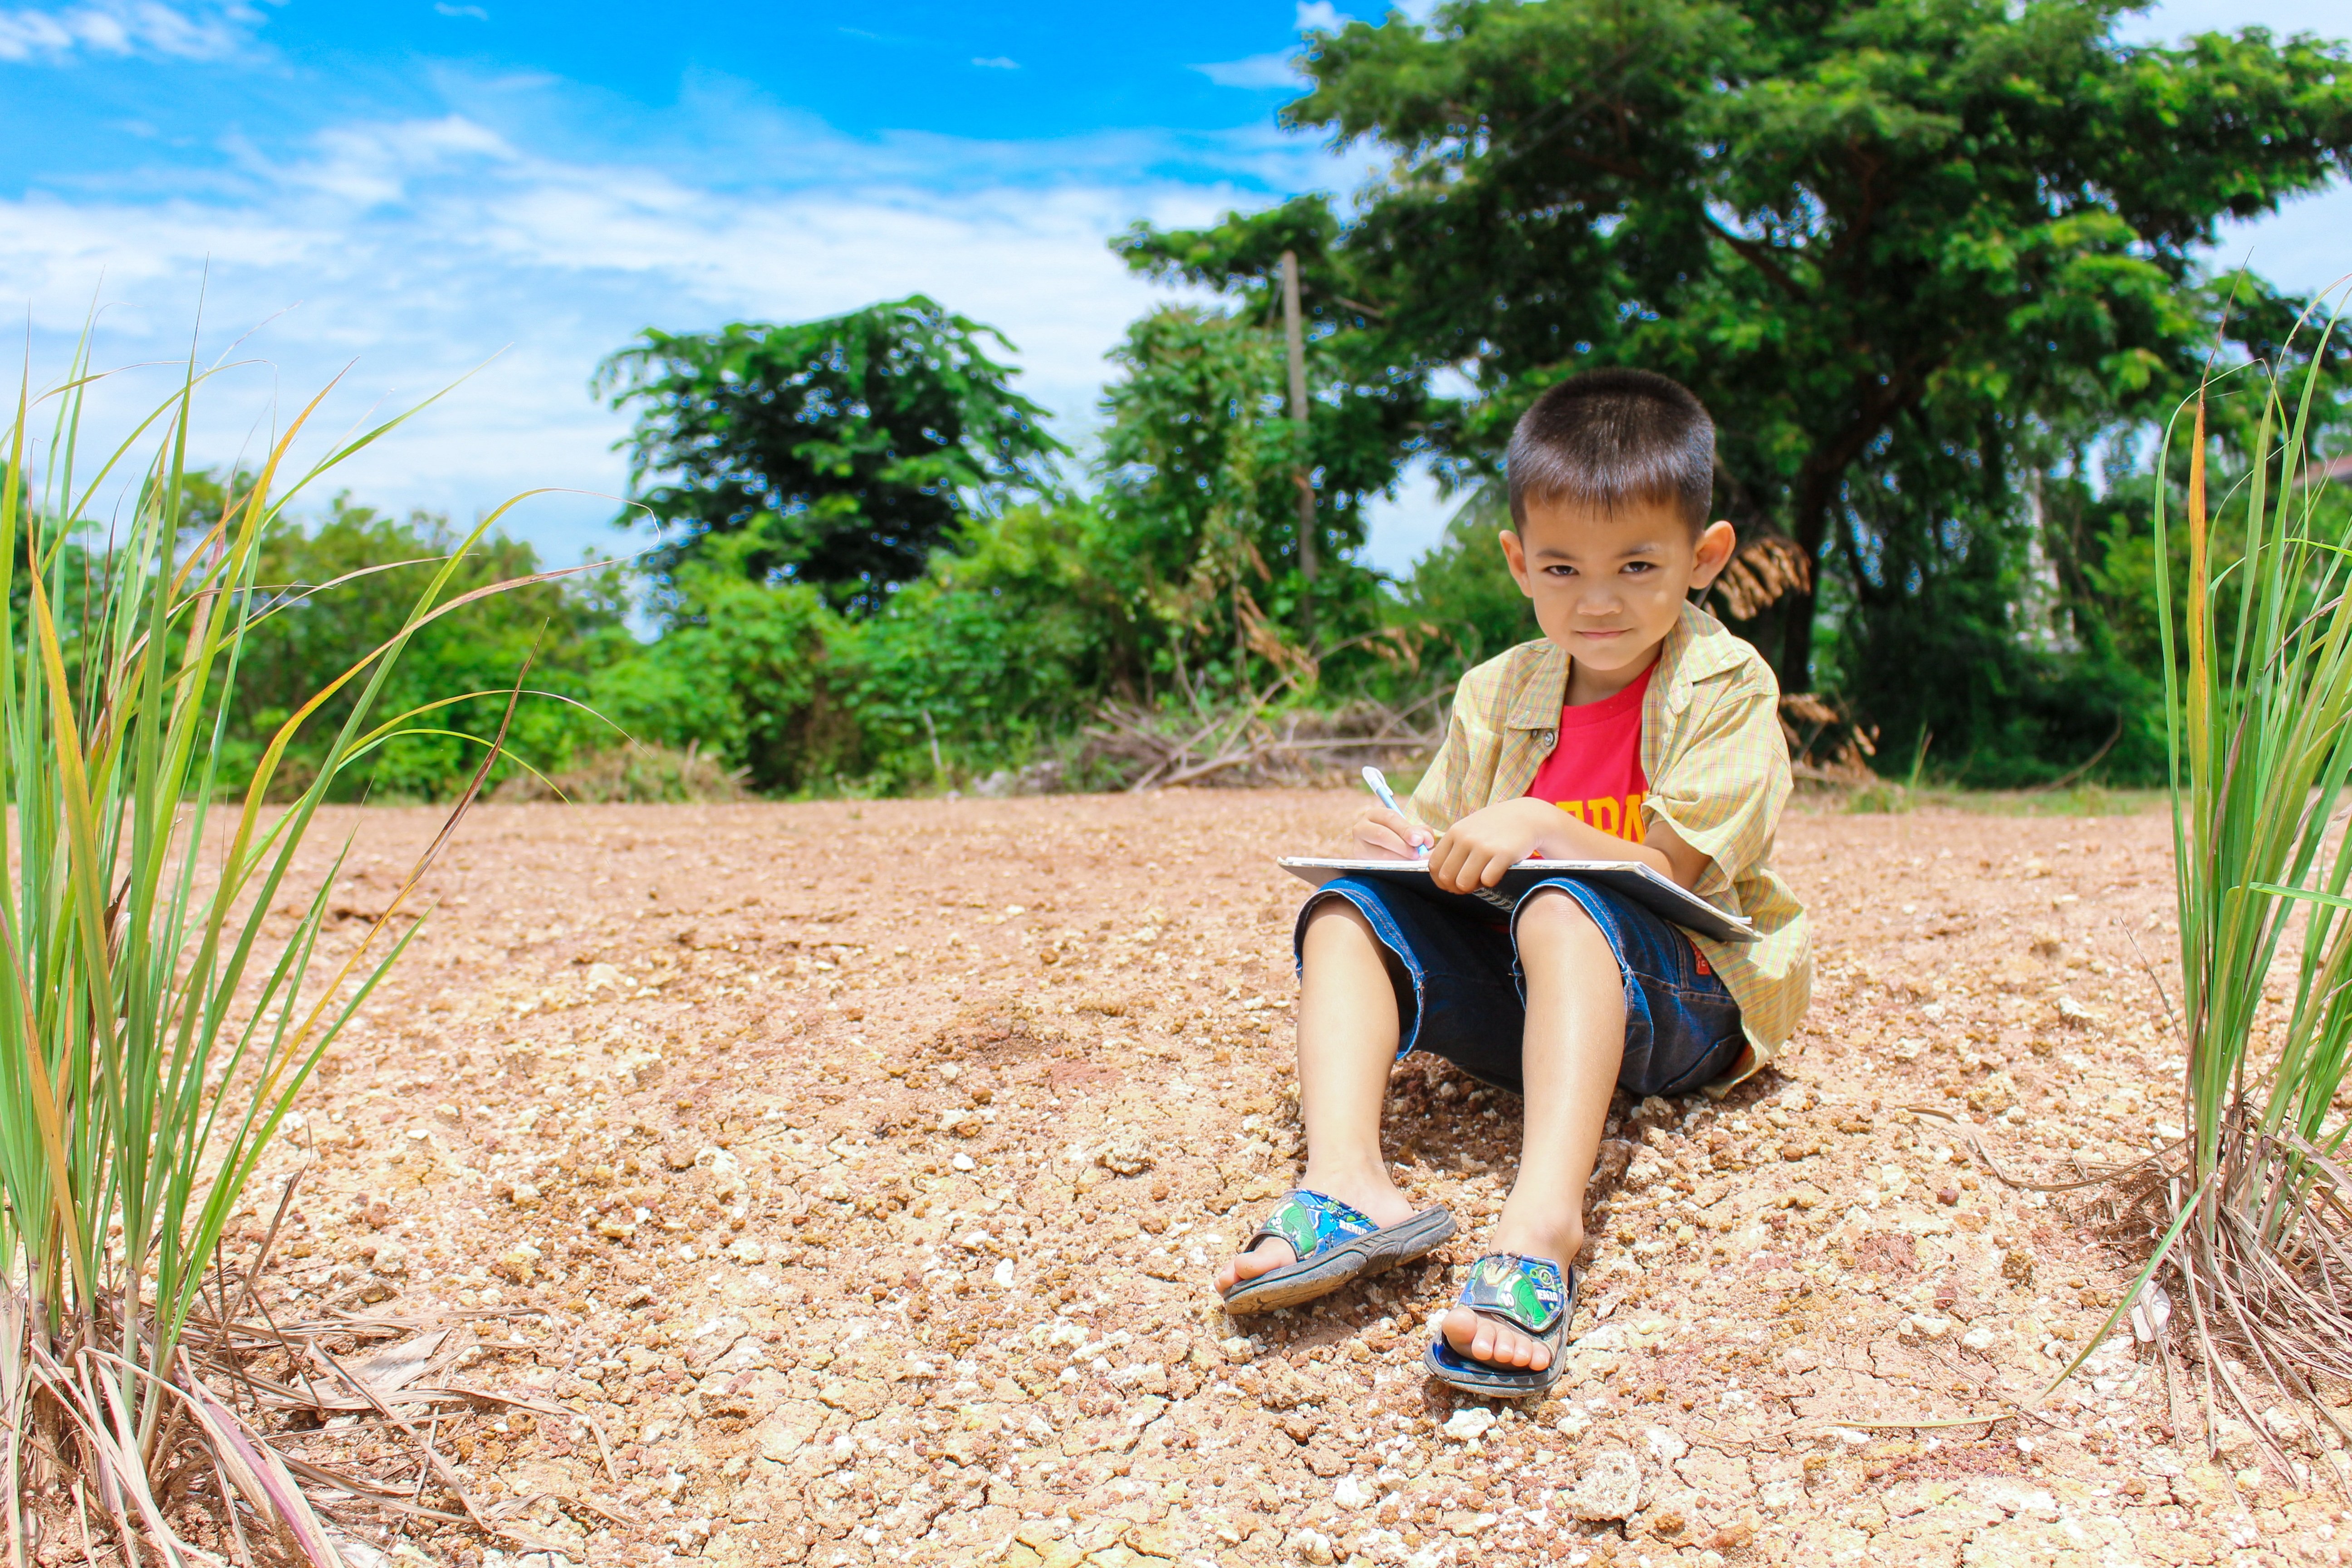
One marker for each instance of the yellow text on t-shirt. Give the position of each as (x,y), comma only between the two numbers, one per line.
(1607,815)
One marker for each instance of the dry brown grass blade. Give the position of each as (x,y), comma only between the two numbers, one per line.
(373,1493)
(442,1469)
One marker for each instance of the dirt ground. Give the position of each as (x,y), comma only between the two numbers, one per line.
(859,1170)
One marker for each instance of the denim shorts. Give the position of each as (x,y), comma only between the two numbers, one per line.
(1461,993)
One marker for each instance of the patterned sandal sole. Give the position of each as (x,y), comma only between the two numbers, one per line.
(1327,1271)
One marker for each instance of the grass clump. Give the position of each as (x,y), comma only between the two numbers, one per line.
(2246,1217)
(154,1035)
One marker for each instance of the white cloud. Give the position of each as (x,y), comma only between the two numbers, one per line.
(1258,71)
(413,251)
(996,63)
(1278,70)
(475,12)
(196,32)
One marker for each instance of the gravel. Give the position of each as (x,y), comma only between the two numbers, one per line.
(860,1170)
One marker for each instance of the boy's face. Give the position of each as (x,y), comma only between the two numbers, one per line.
(1609,586)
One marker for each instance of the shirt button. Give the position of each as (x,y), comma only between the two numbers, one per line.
(1547,738)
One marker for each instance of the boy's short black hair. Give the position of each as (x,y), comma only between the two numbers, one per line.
(1604,438)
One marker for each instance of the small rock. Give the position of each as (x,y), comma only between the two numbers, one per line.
(1124,1158)
(1664,1445)
(1926,1326)
(1979,1338)
(726,1172)
(748,1252)
(1311,1546)
(391,1257)
(1470,1422)
(1610,1489)
(1351,1492)
(1286,1390)
(525,1195)
(517,1265)
(2016,1496)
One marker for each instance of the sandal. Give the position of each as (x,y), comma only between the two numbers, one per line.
(1335,1242)
(1529,1294)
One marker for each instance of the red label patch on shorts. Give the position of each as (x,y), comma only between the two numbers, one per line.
(1700,958)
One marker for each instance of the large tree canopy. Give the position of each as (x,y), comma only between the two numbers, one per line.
(846,447)
(1895,247)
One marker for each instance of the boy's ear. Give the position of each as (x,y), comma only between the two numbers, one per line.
(1716,543)
(1515,555)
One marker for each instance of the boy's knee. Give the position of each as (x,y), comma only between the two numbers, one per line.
(1551,919)
(1337,920)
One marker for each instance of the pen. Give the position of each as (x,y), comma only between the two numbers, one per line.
(1377,782)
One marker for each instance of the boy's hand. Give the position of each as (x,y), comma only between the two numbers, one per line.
(1476,850)
(1382,832)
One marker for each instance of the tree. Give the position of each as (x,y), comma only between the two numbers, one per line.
(846,448)
(1891,244)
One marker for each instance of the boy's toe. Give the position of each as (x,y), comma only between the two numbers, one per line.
(1263,1259)
(1468,1333)
(1496,1344)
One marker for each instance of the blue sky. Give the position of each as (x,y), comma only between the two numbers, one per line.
(411,189)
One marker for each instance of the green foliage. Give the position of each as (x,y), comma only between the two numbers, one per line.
(737,668)
(1000,646)
(844,450)
(333,601)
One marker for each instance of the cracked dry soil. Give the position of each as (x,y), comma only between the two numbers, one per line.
(860,1170)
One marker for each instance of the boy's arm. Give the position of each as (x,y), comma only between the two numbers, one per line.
(1723,791)
(1475,851)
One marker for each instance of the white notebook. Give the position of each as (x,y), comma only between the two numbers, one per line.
(1631,878)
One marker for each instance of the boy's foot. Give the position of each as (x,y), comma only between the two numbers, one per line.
(1481,1336)
(1379,1202)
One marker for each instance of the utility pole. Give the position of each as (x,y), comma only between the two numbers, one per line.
(1295,340)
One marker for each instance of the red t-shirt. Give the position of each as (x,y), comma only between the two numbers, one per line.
(1594,773)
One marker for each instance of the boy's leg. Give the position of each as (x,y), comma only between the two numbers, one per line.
(1574,1045)
(1348,1030)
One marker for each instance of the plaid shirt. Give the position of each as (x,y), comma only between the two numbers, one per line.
(1718,771)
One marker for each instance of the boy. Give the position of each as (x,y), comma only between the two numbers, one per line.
(1636,729)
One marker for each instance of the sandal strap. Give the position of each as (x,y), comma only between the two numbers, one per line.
(1312,1222)
(1530,1292)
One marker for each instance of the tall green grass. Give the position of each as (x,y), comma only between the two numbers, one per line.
(153,1035)
(2248,1211)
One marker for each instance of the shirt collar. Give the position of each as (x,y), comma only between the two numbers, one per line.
(1698,647)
